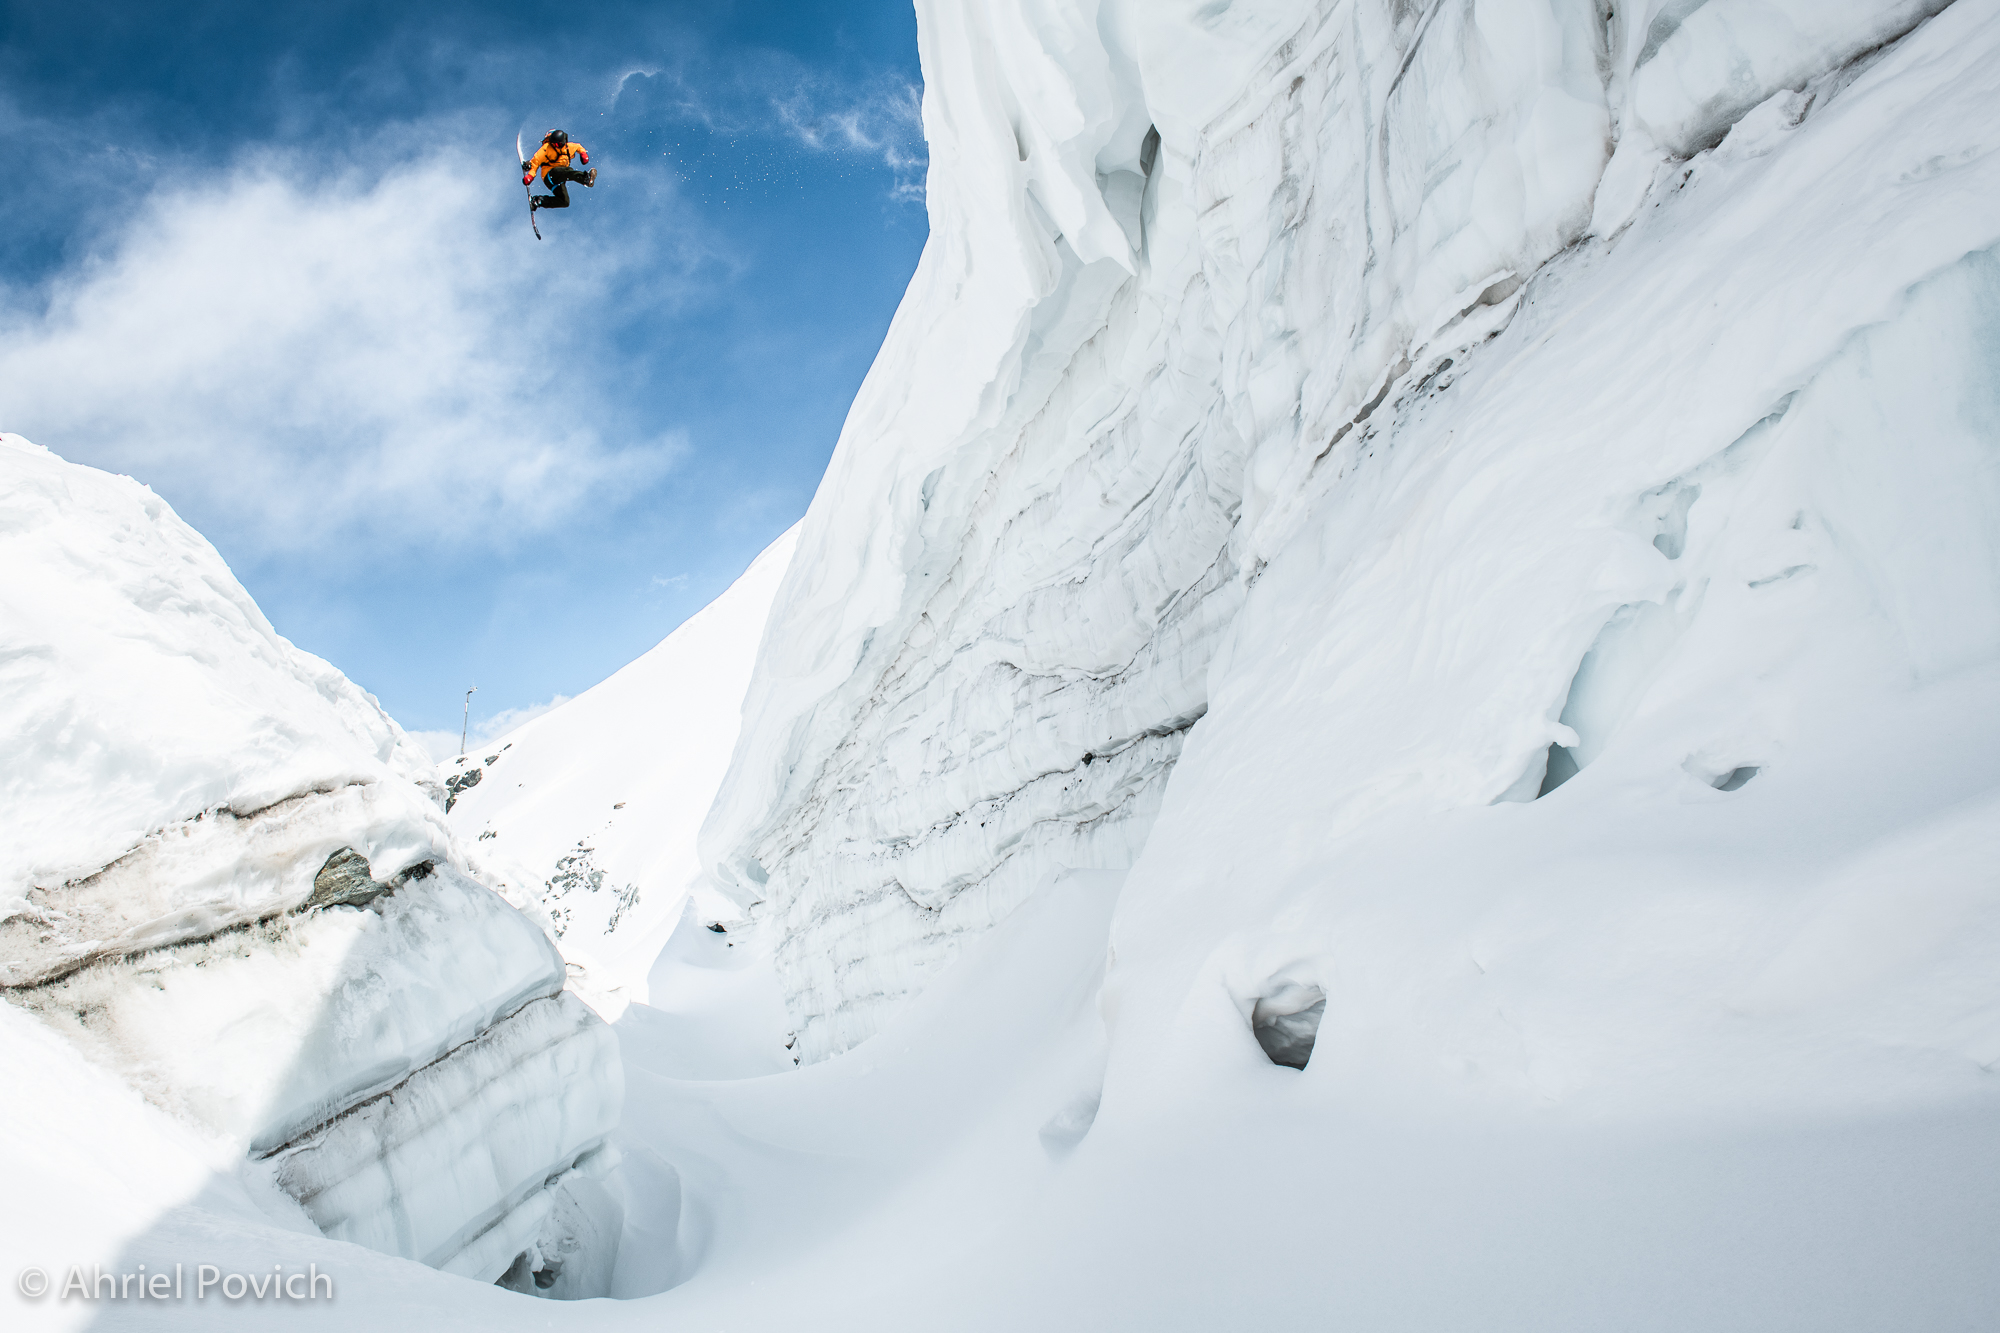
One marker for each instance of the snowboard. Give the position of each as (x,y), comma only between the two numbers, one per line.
(521,157)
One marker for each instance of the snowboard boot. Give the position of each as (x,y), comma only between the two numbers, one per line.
(590,177)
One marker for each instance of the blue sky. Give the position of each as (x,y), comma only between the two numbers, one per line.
(274,261)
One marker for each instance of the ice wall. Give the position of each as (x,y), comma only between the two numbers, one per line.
(1186,262)
(225,875)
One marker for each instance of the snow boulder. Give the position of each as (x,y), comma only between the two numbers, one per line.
(226,875)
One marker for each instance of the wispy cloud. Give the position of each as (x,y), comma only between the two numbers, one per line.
(333,360)
(883,119)
(877,117)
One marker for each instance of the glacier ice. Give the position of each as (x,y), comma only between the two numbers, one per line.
(1286,1023)
(265,1032)
(175,767)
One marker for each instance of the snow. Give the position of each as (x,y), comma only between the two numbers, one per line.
(1697,68)
(174,766)
(1026,574)
(587,815)
(230,884)
(459,1167)
(1386,718)
(263,1034)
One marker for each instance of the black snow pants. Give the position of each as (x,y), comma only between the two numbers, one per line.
(558,179)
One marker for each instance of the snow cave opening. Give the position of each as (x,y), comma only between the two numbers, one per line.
(1286,1023)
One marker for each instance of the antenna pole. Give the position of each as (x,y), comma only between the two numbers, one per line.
(466,721)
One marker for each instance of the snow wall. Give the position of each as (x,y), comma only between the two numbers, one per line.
(1361,412)
(225,875)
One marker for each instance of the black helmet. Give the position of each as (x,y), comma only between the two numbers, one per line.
(556,137)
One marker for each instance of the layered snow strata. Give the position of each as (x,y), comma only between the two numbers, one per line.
(214,871)
(461,1165)
(226,875)
(1661,639)
(266,1032)
(1180,257)
(174,767)
(1696,68)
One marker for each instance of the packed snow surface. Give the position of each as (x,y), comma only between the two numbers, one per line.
(1387,719)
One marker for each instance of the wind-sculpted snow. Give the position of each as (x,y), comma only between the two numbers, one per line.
(1182,256)
(1697,67)
(228,879)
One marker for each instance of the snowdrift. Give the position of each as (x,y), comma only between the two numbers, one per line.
(229,881)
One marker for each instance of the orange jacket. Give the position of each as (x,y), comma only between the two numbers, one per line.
(548,155)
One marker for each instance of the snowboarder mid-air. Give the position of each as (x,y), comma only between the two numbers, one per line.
(552,159)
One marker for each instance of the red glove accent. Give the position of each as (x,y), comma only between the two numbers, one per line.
(528,179)
(585,156)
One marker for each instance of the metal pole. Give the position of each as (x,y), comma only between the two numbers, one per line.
(466,721)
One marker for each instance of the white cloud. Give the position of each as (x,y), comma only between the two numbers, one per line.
(882,119)
(443,745)
(770,94)
(386,359)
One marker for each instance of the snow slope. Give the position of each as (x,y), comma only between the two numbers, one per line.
(590,811)
(229,882)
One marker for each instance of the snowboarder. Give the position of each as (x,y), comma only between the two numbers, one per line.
(552,159)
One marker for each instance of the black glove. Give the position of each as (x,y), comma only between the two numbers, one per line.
(524,166)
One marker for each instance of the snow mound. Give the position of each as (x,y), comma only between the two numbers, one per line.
(226,876)
(174,766)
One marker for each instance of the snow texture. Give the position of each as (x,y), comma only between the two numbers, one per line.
(1387,718)
(587,815)
(1192,270)
(262,1034)
(174,767)
(229,881)
(460,1165)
